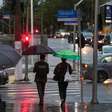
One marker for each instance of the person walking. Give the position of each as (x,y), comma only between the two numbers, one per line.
(59,72)
(41,68)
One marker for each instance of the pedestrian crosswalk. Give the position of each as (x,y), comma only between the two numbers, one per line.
(18,92)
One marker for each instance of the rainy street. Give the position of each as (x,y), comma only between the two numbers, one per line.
(22,96)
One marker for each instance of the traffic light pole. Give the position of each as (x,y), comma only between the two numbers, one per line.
(94,89)
(26,68)
(26,57)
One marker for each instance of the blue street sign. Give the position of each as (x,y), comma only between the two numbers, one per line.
(67,14)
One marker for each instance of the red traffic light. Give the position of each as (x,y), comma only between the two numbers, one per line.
(26,38)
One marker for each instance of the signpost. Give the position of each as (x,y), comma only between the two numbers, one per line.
(69,17)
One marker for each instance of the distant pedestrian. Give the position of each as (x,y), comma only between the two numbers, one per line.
(41,68)
(59,72)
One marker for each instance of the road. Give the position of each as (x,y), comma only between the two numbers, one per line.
(23,97)
(16,93)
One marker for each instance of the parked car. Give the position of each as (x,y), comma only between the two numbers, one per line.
(3,77)
(104,69)
(88,36)
(107,49)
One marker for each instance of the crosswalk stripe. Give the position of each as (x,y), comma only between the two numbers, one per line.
(29,92)
(25,91)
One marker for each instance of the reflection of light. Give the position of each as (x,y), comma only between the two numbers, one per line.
(62,38)
(108,81)
(84,52)
(25,106)
(85,108)
(54,36)
(66,107)
(76,107)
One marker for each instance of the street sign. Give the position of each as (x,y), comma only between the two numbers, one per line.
(67,14)
(67,19)
(71,23)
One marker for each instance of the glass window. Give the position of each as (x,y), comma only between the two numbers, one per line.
(107,59)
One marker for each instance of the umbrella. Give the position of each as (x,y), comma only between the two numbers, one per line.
(8,56)
(37,50)
(67,54)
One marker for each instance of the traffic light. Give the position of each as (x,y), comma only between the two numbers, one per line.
(26,39)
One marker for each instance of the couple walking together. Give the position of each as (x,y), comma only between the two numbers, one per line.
(41,68)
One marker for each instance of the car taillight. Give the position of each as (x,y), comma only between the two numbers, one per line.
(85,66)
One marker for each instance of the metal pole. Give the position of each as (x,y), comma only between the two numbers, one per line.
(75,7)
(26,69)
(74,37)
(81,77)
(26,57)
(32,42)
(42,37)
(94,89)
(27,17)
(32,21)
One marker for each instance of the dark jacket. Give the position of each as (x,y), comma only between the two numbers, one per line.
(61,69)
(41,69)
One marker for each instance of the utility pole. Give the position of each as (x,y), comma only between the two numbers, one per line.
(94,89)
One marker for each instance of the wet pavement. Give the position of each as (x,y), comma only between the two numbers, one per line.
(18,99)
(68,107)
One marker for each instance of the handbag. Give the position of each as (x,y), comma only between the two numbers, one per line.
(67,76)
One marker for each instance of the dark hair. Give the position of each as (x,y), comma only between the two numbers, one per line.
(63,59)
(42,56)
